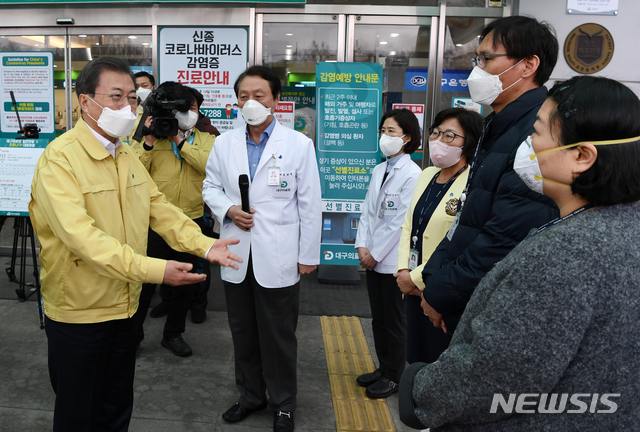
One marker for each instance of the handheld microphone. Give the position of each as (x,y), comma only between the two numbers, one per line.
(243,182)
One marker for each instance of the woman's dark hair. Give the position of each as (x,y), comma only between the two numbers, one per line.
(265,73)
(600,109)
(524,37)
(89,77)
(471,124)
(175,91)
(408,122)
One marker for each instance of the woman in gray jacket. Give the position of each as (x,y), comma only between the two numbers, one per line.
(550,338)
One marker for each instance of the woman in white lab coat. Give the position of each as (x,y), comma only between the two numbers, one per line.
(387,200)
(453,140)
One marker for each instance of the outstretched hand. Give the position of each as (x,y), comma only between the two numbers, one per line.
(178,273)
(219,253)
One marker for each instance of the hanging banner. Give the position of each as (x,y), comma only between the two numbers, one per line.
(30,76)
(349,103)
(208,59)
(18,159)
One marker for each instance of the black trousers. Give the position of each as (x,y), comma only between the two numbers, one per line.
(263,324)
(388,311)
(178,298)
(91,368)
(425,343)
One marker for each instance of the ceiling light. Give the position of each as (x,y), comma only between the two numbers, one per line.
(82,35)
(133,37)
(145,43)
(97,43)
(289,34)
(392,53)
(289,46)
(383,42)
(394,34)
(459,44)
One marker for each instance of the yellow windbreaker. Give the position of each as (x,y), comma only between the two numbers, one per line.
(91,215)
(181,182)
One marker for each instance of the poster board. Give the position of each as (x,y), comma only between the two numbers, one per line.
(18,159)
(349,108)
(29,74)
(209,59)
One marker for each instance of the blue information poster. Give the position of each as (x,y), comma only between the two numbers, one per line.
(349,108)
(29,75)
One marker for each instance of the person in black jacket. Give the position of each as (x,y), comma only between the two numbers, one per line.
(497,210)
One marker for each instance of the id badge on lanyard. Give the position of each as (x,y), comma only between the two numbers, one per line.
(413,259)
(273,173)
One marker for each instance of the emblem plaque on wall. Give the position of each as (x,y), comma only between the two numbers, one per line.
(588,48)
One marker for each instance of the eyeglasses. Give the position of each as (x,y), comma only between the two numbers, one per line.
(447,136)
(116,98)
(480,60)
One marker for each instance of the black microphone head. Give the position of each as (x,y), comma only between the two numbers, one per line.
(243,180)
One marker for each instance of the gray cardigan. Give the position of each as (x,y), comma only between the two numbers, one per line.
(559,315)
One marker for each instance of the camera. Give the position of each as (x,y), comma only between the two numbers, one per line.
(160,108)
(31,130)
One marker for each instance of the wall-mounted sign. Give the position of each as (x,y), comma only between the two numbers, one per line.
(592,7)
(453,80)
(588,48)
(208,59)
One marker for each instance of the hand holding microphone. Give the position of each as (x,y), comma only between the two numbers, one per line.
(242,215)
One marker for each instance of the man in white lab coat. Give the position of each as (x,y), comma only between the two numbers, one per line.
(279,241)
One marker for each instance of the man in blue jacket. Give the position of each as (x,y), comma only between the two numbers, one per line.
(497,210)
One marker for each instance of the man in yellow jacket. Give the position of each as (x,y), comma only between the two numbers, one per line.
(92,203)
(177,165)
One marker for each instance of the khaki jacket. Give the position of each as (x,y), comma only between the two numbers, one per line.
(91,215)
(181,182)
(438,225)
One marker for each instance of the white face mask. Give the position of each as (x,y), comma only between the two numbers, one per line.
(391,146)
(527,168)
(142,93)
(254,113)
(443,155)
(115,123)
(485,87)
(187,120)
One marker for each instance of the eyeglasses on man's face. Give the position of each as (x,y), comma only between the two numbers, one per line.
(480,60)
(447,136)
(119,98)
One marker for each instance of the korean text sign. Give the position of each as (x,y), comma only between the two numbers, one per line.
(208,59)
(348,100)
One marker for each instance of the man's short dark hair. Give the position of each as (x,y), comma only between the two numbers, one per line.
(143,74)
(409,125)
(175,91)
(600,109)
(89,77)
(524,37)
(471,124)
(265,73)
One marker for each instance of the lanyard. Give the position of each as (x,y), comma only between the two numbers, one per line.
(558,220)
(425,209)
(474,168)
(176,151)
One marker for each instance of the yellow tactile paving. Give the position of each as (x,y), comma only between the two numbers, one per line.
(348,356)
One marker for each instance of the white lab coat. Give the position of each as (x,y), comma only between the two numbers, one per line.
(288,218)
(382,235)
